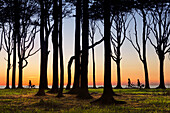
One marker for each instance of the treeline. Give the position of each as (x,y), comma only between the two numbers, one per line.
(22,20)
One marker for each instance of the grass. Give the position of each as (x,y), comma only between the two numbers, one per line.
(138,100)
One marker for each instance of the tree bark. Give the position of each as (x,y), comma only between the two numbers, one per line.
(69,72)
(41,91)
(60,94)
(84,94)
(162,84)
(55,47)
(8,69)
(20,73)
(144,51)
(75,88)
(94,81)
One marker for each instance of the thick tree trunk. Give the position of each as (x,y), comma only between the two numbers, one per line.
(20,73)
(60,93)
(41,91)
(16,36)
(107,96)
(162,84)
(55,48)
(84,94)
(146,75)
(94,81)
(75,88)
(8,69)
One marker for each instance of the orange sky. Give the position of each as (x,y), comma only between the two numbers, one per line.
(131,66)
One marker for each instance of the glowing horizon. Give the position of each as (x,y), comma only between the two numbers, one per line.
(131,66)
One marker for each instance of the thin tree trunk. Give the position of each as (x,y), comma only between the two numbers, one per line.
(94,82)
(8,69)
(60,94)
(118,64)
(14,63)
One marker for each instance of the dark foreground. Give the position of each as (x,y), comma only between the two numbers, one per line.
(137,100)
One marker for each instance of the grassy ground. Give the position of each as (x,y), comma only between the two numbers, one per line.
(138,100)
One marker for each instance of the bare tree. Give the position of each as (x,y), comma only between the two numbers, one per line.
(118,36)
(161,33)
(141,50)
(7,34)
(92,35)
(26,36)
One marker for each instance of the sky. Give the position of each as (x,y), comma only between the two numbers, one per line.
(131,66)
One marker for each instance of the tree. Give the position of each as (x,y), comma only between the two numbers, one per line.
(7,35)
(84,94)
(161,33)
(41,91)
(55,47)
(61,51)
(75,88)
(92,34)
(27,33)
(117,39)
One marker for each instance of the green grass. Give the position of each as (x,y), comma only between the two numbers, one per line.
(137,101)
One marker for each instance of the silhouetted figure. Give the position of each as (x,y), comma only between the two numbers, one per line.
(129,82)
(138,83)
(29,83)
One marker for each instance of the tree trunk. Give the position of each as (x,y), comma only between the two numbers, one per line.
(46,64)
(118,63)
(144,51)
(69,72)
(20,73)
(41,91)
(162,84)
(75,88)
(14,63)
(55,48)
(94,83)
(60,94)
(146,75)
(107,96)
(8,69)
(84,94)
(16,36)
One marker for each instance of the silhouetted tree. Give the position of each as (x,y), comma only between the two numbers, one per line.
(138,48)
(27,33)
(55,47)
(69,72)
(76,86)
(7,34)
(41,91)
(160,28)
(60,93)
(92,34)
(84,94)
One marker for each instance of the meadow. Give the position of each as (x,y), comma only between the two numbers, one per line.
(137,101)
